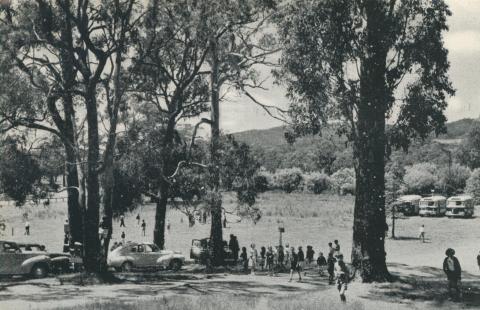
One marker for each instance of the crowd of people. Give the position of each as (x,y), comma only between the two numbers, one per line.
(275,259)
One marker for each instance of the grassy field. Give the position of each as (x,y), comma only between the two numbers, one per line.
(309,220)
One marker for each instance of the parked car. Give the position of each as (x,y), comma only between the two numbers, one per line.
(59,262)
(201,252)
(409,204)
(460,206)
(14,261)
(433,206)
(144,255)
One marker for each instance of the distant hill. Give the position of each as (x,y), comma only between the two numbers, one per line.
(274,152)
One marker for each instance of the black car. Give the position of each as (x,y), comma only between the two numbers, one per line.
(201,251)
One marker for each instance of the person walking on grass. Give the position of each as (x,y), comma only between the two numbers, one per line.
(27,228)
(310,253)
(301,259)
(342,276)
(451,267)
(252,260)
(144,226)
(138,219)
(321,263)
(269,256)
(330,268)
(294,267)
(123,237)
(421,230)
(122,221)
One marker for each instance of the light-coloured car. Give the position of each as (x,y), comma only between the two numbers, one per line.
(14,261)
(144,255)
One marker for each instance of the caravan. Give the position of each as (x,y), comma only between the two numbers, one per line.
(460,206)
(409,204)
(433,206)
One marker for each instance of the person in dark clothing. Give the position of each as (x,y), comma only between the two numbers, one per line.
(301,259)
(321,263)
(233,245)
(66,243)
(263,251)
(330,268)
(310,253)
(478,259)
(144,226)
(451,267)
(269,258)
(123,237)
(122,220)
(281,257)
(244,258)
(294,265)
(138,219)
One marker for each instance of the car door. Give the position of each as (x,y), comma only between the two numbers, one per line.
(11,258)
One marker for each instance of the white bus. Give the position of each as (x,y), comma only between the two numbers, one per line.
(409,204)
(460,206)
(433,206)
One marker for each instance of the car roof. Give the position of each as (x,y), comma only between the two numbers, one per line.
(434,198)
(460,198)
(409,197)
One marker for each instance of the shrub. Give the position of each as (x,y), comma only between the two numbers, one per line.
(288,180)
(473,185)
(316,182)
(261,183)
(420,178)
(343,181)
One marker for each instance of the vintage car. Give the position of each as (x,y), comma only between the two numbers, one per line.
(201,252)
(460,206)
(59,262)
(15,261)
(144,255)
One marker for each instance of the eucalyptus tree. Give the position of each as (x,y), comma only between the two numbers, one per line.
(365,63)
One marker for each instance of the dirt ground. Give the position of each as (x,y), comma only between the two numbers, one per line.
(309,220)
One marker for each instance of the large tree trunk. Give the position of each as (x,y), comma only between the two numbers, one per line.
(368,253)
(92,259)
(216,233)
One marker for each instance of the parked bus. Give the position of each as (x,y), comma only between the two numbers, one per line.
(409,204)
(460,206)
(433,206)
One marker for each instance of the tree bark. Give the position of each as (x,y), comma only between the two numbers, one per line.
(368,252)
(216,233)
(92,259)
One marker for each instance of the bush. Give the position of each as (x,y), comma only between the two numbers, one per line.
(420,178)
(288,180)
(343,181)
(473,185)
(316,182)
(261,182)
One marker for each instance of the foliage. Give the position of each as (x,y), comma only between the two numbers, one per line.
(20,174)
(452,180)
(394,184)
(343,181)
(316,182)
(469,151)
(420,178)
(473,185)
(288,180)
(261,183)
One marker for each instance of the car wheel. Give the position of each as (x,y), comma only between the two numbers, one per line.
(39,271)
(127,267)
(175,264)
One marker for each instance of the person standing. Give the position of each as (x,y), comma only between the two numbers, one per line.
(336,248)
(233,245)
(321,263)
(252,261)
(123,237)
(287,254)
(269,261)
(330,267)
(138,219)
(310,253)
(451,267)
(478,260)
(27,228)
(144,226)
(122,220)
(168,225)
(342,276)
(331,250)
(301,259)
(263,252)
(281,257)
(244,258)
(421,236)
(294,265)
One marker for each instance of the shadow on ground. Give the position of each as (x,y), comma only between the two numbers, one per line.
(424,284)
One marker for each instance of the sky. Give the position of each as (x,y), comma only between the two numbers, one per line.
(462,41)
